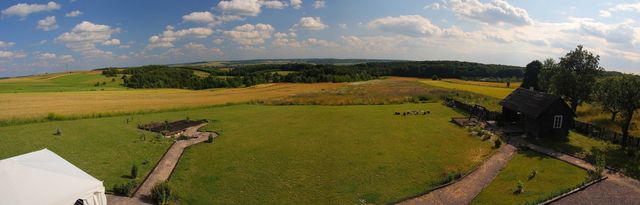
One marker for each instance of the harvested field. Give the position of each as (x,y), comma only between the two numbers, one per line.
(38,105)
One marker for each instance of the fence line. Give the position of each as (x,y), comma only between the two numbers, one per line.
(584,128)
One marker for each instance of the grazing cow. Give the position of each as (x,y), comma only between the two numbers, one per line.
(428,112)
(397,113)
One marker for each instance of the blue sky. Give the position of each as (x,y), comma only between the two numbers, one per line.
(57,35)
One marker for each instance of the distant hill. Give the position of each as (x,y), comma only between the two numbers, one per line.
(333,61)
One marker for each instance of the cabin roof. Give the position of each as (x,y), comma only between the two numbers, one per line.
(531,103)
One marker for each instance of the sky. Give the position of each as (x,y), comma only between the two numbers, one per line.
(58,35)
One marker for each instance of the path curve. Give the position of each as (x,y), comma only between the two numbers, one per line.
(463,191)
(163,170)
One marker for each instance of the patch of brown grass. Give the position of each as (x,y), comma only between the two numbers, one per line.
(34,105)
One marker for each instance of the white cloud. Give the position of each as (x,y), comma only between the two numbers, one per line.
(495,12)
(47,56)
(74,13)
(274,4)
(319,42)
(623,33)
(311,23)
(434,6)
(413,25)
(286,40)
(631,7)
(112,42)
(166,39)
(23,9)
(84,37)
(218,41)
(343,26)
(209,18)
(240,7)
(250,35)
(296,4)
(12,54)
(47,24)
(319,4)
(4,44)
(199,17)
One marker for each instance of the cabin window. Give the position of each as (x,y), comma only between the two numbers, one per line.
(557,121)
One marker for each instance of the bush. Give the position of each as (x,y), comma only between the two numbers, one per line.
(600,165)
(134,172)
(435,77)
(125,189)
(210,138)
(161,193)
(519,187)
(533,174)
(497,143)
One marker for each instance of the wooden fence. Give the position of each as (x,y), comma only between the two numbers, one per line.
(476,110)
(596,132)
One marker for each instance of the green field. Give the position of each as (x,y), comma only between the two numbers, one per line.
(105,148)
(553,177)
(323,154)
(61,82)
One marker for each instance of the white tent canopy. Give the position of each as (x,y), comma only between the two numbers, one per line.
(42,177)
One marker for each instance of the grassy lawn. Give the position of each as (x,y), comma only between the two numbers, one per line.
(105,148)
(582,146)
(323,154)
(61,82)
(496,92)
(553,176)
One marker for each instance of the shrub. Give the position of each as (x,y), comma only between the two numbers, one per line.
(435,77)
(497,143)
(210,138)
(161,193)
(519,187)
(600,165)
(134,172)
(58,132)
(533,174)
(125,189)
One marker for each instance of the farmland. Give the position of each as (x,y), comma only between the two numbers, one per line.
(39,105)
(488,89)
(61,82)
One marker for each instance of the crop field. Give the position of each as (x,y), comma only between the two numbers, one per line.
(61,82)
(476,87)
(324,154)
(483,83)
(552,177)
(39,105)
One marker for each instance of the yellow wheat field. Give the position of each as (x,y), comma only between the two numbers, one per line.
(33,105)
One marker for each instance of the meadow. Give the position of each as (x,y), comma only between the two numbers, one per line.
(105,148)
(324,154)
(484,88)
(552,177)
(61,82)
(32,105)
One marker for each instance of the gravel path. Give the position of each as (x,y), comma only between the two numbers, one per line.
(163,170)
(463,191)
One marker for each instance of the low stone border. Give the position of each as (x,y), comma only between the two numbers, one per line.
(572,191)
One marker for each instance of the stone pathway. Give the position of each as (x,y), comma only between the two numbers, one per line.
(463,191)
(163,170)
(616,189)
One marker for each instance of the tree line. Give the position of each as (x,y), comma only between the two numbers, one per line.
(578,78)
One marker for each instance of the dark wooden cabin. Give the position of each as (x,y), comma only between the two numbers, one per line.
(538,114)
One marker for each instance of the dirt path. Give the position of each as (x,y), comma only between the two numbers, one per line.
(163,170)
(463,191)
(616,189)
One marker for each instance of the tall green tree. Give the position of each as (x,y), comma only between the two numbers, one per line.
(531,75)
(606,94)
(628,101)
(576,76)
(545,76)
